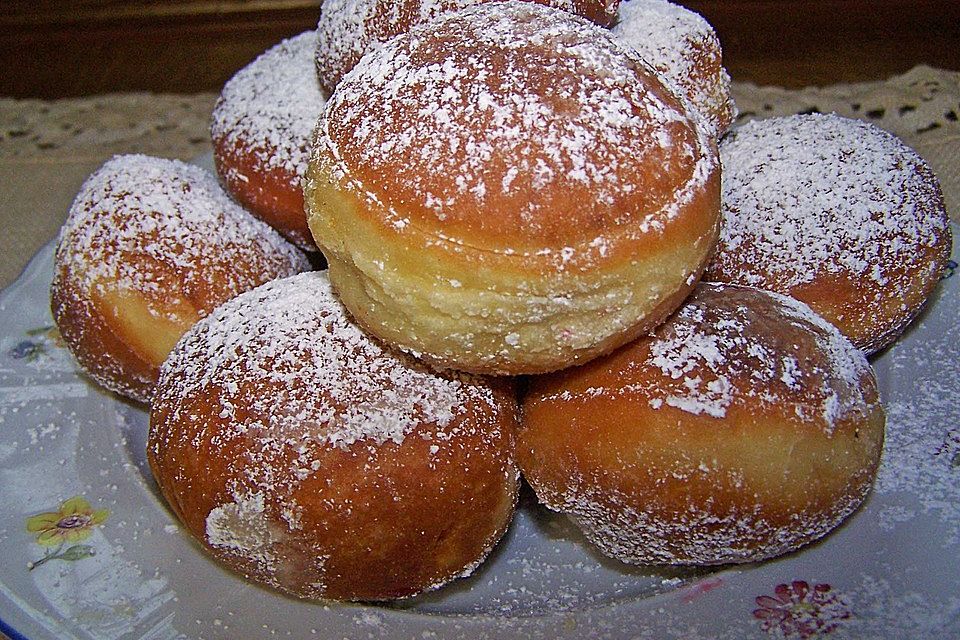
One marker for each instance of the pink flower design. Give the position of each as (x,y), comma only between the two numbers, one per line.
(697,589)
(797,611)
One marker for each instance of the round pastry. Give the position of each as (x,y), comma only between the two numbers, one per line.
(308,458)
(261,131)
(349,28)
(685,50)
(507,190)
(744,427)
(149,247)
(835,212)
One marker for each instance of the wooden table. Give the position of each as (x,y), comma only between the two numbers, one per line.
(53,49)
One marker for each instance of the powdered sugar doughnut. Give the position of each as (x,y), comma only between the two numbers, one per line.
(507,190)
(837,213)
(742,428)
(261,129)
(149,247)
(685,49)
(350,28)
(309,458)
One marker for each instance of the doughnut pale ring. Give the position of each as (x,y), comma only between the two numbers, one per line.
(149,247)
(507,190)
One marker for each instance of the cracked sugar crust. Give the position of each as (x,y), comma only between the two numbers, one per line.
(836,212)
(536,114)
(348,29)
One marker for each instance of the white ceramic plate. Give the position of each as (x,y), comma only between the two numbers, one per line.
(891,571)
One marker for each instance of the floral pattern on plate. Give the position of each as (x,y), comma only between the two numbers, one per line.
(72,523)
(797,610)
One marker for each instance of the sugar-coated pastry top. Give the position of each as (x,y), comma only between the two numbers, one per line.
(681,45)
(741,428)
(871,189)
(349,28)
(271,106)
(139,221)
(308,457)
(149,247)
(538,114)
(327,377)
(754,348)
(822,198)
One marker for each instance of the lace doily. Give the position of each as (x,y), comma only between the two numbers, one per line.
(99,127)
(921,106)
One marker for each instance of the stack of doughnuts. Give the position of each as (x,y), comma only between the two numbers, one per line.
(536,267)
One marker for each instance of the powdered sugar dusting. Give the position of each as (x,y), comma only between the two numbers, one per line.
(682,46)
(703,536)
(271,106)
(815,194)
(243,526)
(721,347)
(293,337)
(350,28)
(922,449)
(171,216)
(531,102)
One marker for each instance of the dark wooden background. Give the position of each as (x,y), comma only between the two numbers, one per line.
(60,48)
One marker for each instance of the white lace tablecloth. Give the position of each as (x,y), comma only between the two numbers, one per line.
(48,148)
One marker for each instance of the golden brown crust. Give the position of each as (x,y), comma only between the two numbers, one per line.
(837,213)
(309,459)
(684,48)
(522,235)
(261,128)
(350,28)
(742,428)
(149,247)
(272,194)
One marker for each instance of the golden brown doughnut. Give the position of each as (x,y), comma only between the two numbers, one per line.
(149,247)
(742,428)
(835,212)
(308,458)
(350,28)
(507,190)
(261,128)
(682,46)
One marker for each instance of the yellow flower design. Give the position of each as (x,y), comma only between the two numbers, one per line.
(72,522)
